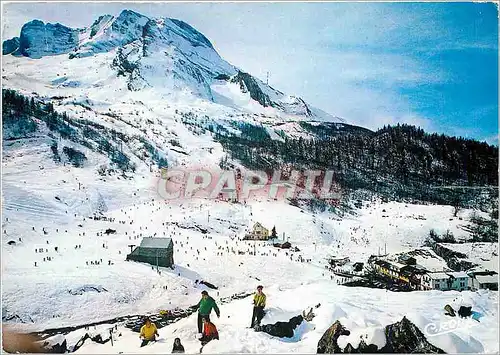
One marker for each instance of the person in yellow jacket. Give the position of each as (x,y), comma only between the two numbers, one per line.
(148,332)
(259,302)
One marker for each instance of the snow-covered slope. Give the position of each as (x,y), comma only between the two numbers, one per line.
(156,88)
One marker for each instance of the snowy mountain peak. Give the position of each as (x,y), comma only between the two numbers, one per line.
(165,54)
(99,24)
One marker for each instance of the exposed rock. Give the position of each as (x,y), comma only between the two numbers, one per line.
(366,348)
(250,85)
(328,342)
(224,77)
(401,337)
(55,348)
(455,260)
(10,46)
(99,24)
(405,337)
(38,39)
(108,33)
(87,288)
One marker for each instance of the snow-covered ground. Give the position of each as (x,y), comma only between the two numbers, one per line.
(364,313)
(50,294)
(47,205)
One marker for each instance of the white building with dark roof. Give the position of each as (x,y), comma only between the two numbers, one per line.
(447,280)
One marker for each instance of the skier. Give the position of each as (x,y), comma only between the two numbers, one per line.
(177,348)
(205,308)
(148,332)
(259,302)
(209,332)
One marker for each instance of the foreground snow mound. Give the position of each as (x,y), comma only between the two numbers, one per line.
(378,318)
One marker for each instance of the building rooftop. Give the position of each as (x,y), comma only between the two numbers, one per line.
(487,279)
(157,243)
(483,273)
(458,274)
(438,275)
(397,265)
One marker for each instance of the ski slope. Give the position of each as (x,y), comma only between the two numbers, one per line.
(60,268)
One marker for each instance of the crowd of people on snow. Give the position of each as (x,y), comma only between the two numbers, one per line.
(238,247)
(207,331)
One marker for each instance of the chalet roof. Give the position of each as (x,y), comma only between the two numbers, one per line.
(156,243)
(487,279)
(458,274)
(384,263)
(153,247)
(483,273)
(438,276)
(397,265)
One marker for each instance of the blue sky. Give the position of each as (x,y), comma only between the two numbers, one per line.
(434,65)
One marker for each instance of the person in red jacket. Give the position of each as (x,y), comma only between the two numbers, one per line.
(209,332)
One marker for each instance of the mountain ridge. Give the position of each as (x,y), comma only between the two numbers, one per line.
(167,54)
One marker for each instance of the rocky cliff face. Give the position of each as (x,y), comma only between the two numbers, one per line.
(38,39)
(175,55)
(269,97)
(10,45)
(455,260)
(99,25)
(107,33)
(249,84)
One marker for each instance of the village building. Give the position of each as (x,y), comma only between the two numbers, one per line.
(406,270)
(154,251)
(448,280)
(483,280)
(259,232)
(407,260)
(415,275)
(285,245)
(391,269)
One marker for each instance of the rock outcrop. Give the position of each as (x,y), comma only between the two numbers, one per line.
(10,46)
(401,337)
(328,342)
(38,39)
(405,337)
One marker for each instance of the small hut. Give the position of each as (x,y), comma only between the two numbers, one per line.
(154,251)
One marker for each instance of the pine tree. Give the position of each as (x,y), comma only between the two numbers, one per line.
(273,233)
